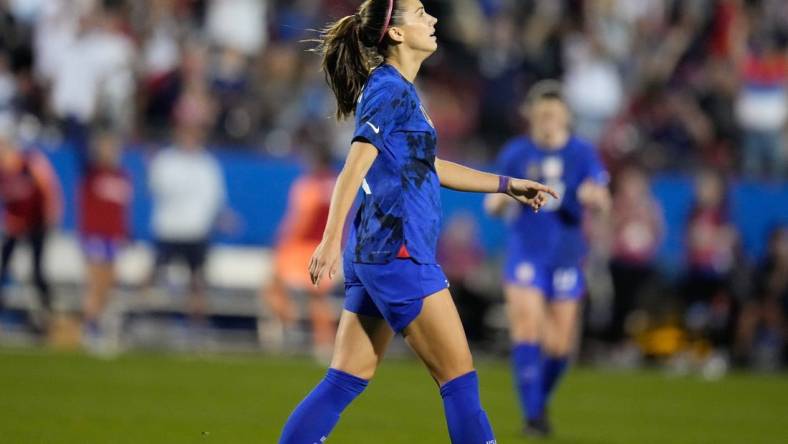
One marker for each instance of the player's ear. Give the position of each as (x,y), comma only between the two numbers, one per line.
(395,33)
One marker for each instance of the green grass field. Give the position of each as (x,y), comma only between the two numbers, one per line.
(48,397)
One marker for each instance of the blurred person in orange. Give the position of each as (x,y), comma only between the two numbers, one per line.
(105,194)
(300,233)
(31,205)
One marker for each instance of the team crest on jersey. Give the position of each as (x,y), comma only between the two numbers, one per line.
(552,167)
(525,272)
(426,116)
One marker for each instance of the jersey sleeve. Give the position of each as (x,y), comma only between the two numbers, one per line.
(379,111)
(595,171)
(505,162)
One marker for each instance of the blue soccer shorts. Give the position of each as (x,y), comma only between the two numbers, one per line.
(394,291)
(557,283)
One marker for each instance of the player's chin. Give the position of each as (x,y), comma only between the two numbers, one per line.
(430,44)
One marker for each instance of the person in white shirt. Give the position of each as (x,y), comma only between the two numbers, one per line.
(188,191)
(92,76)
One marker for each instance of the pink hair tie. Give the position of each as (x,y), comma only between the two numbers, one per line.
(386,23)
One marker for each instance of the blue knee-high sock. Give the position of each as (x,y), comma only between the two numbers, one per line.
(552,370)
(315,417)
(527,368)
(467,421)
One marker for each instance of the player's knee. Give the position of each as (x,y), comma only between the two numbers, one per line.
(364,369)
(559,346)
(456,367)
(525,330)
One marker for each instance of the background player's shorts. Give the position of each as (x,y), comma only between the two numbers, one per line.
(193,253)
(100,249)
(557,283)
(394,291)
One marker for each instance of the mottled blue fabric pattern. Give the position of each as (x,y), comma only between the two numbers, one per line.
(401,192)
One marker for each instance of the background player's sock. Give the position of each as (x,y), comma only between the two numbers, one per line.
(467,421)
(527,369)
(315,417)
(552,370)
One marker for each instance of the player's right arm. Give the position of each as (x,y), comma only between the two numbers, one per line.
(326,255)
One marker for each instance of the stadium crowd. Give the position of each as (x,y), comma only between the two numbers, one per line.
(693,87)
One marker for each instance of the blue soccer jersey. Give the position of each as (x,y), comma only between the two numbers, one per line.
(401,191)
(552,237)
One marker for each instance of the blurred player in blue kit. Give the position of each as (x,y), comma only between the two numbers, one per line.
(392,281)
(543,276)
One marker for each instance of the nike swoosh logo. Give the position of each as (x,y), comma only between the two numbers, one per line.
(374,128)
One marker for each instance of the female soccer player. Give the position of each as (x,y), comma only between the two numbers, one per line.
(542,273)
(392,282)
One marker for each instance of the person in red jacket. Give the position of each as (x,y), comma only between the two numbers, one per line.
(31,204)
(105,194)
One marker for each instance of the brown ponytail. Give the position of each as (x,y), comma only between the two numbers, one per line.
(351,47)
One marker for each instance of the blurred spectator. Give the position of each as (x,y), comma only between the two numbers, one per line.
(500,59)
(188,193)
(95,76)
(637,235)
(55,31)
(31,205)
(462,257)
(299,234)
(7,86)
(711,242)
(761,331)
(230,85)
(105,194)
(161,55)
(238,25)
(762,106)
(594,87)
(194,108)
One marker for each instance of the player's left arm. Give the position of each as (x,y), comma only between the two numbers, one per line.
(461,178)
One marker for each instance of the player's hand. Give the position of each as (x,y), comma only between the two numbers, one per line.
(594,196)
(324,259)
(530,193)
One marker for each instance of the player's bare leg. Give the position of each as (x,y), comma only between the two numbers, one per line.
(360,344)
(438,338)
(525,308)
(561,328)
